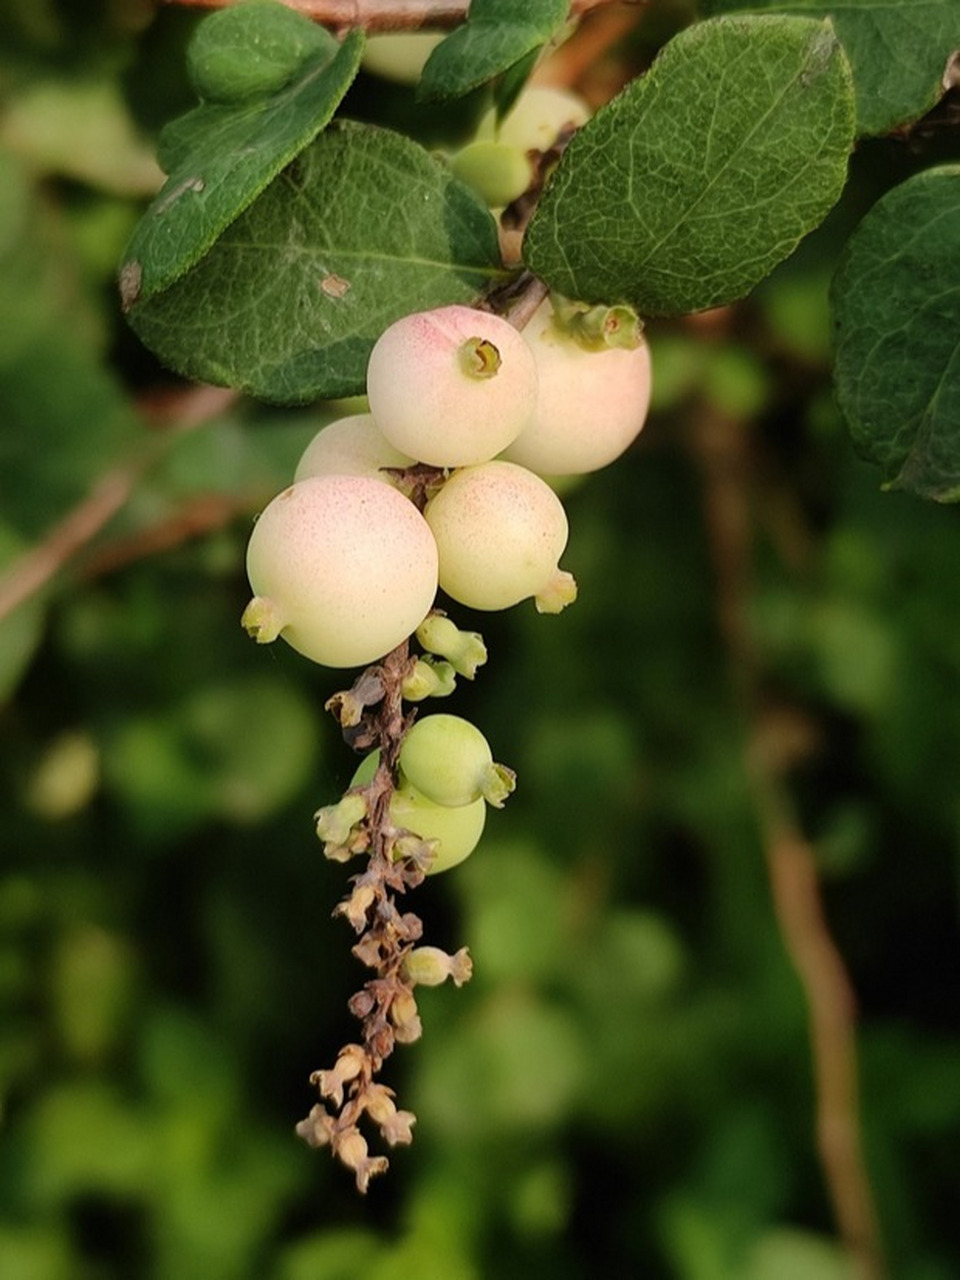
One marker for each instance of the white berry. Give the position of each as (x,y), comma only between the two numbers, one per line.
(352,446)
(591,404)
(500,531)
(344,568)
(451,387)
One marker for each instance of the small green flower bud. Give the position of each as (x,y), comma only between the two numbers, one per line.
(464,650)
(335,822)
(430,966)
(429,679)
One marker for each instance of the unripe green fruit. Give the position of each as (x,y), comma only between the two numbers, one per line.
(399,55)
(251,50)
(496,171)
(500,531)
(449,760)
(352,446)
(451,387)
(344,567)
(457,831)
(591,404)
(536,119)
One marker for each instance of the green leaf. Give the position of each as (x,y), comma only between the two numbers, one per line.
(692,184)
(221,157)
(896,317)
(497,35)
(899,51)
(252,49)
(365,227)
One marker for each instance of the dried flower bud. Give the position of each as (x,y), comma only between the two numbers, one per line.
(396,1126)
(350,1146)
(318,1128)
(355,907)
(403,1015)
(351,1061)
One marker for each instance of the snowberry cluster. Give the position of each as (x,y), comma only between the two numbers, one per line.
(345,563)
(441,485)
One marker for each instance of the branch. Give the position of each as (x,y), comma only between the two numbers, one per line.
(832,1010)
(33,570)
(36,567)
(720,445)
(386,15)
(582,62)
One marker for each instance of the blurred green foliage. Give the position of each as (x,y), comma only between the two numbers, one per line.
(625,1088)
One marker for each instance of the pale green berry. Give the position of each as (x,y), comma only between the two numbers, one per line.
(451,387)
(449,760)
(455,832)
(536,119)
(500,531)
(399,55)
(496,171)
(344,567)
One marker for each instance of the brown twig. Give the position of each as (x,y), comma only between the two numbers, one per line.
(36,567)
(720,445)
(832,1009)
(371,714)
(576,63)
(384,15)
(197,518)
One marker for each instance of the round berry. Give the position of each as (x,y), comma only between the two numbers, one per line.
(457,830)
(352,446)
(451,387)
(500,531)
(591,404)
(537,118)
(449,760)
(344,567)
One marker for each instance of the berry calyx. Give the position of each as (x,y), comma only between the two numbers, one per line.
(594,389)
